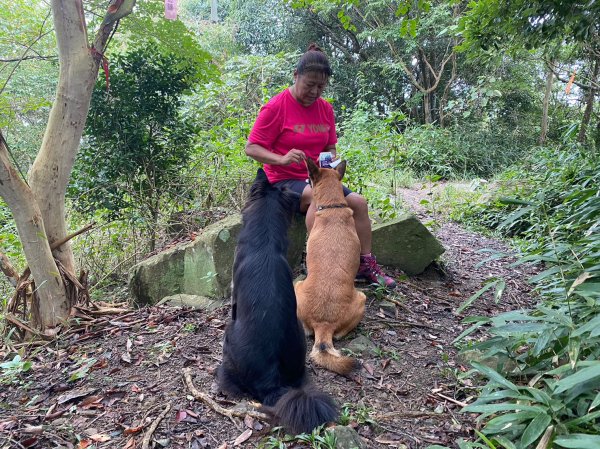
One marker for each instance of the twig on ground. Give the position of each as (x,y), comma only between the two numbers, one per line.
(399,304)
(230,413)
(454,401)
(17,322)
(409,414)
(153,426)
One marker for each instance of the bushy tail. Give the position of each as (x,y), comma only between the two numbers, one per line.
(301,410)
(324,354)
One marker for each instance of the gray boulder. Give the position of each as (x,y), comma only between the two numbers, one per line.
(203,267)
(405,243)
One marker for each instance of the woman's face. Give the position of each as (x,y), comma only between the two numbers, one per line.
(309,86)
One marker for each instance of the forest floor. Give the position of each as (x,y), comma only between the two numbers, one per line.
(116,381)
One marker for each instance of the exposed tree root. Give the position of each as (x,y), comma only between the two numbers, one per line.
(230,413)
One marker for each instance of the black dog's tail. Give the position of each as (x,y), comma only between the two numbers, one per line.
(301,410)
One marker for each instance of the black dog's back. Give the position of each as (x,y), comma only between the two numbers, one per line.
(265,348)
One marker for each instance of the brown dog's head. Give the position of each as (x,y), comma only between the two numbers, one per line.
(314,172)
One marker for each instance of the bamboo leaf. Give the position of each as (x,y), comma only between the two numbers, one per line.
(534,430)
(473,297)
(579,377)
(578,441)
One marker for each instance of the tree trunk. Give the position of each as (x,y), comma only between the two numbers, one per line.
(547,95)
(39,209)
(214,16)
(30,226)
(589,106)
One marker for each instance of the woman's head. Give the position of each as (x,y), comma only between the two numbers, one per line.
(314,60)
(311,75)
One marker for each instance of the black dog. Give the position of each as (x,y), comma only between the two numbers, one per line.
(265,348)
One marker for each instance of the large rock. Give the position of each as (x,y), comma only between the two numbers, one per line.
(202,267)
(405,243)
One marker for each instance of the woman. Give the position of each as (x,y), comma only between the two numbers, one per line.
(298,124)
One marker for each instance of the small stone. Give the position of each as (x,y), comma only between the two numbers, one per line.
(362,345)
(347,438)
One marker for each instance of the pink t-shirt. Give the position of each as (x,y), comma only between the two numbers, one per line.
(283,124)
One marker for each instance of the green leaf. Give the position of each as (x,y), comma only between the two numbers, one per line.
(500,286)
(504,422)
(535,429)
(494,376)
(505,200)
(578,441)
(495,408)
(514,217)
(582,420)
(485,439)
(579,377)
(595,402)
(473,297)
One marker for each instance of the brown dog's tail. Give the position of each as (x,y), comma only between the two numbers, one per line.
(324,354)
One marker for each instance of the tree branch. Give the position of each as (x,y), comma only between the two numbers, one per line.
(117,9)
(26,58)
(554,69)
(40,35)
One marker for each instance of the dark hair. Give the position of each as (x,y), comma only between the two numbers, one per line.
(314,60)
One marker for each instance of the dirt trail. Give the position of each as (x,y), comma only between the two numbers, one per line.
(108,380)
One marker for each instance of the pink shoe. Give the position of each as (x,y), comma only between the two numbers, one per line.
(370,270)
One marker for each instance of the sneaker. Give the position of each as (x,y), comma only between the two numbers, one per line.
(370,270)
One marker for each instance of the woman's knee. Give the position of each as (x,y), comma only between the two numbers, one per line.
(358,204)
(306,198)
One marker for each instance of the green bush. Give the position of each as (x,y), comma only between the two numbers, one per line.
(555,347)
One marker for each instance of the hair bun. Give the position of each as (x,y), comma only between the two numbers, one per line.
(314,47)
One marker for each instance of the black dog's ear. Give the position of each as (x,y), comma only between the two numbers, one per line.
(313,170)
(341,169)
(261,176)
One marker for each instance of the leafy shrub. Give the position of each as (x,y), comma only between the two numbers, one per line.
(556,346)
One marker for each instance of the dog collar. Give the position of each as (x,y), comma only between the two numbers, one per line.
(332,206)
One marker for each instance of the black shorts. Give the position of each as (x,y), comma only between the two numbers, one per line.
(298,186)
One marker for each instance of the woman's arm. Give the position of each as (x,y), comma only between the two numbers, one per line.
(332,149)
(261,154)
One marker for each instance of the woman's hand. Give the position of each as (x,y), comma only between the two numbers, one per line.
(294,156)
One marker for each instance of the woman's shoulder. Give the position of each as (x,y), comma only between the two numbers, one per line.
(326,106)
(278,100)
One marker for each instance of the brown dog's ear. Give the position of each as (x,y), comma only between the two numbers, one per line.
(313,170)
(341,169)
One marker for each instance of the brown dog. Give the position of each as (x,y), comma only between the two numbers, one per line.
(328,304)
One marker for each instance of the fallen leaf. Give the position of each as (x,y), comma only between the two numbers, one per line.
(29,442)
(180,416)
(223,446)
(126,357)
(76,394)
(132,430)
(130,444)
(102,363)
(99,437)
(369,368)
(84,444)
(136,389)
(112,396)
(7,425)
(191,413)
(249,421)
(92,402)
(243,437)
